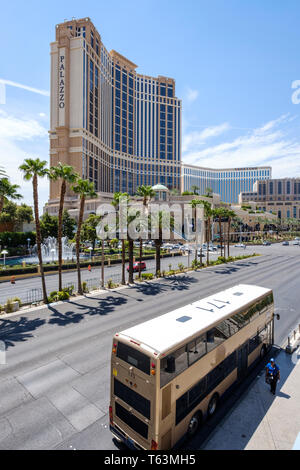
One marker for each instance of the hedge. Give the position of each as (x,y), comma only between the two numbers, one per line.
(54,267)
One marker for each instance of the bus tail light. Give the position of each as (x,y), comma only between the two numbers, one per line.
(154,445)
(111,415)
(152,372)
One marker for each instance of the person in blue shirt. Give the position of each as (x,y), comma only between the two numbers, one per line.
(273,374)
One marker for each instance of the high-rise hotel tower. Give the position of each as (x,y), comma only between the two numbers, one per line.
(116,127)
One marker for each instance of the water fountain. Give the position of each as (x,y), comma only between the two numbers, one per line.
(50,251)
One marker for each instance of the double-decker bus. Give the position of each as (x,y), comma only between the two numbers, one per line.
(168,374)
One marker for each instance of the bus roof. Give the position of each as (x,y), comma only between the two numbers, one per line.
(166,331)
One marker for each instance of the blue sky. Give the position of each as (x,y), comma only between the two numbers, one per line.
(234,62)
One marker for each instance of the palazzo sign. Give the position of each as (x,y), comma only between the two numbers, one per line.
(61,85)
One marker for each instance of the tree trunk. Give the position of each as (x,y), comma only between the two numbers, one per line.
(130,256)
(38,235)
(221,238)
(158,244)
(59,234)
(208,240)
(102,262)
(80,218)
(228,243)
(123,263)
(1,203)
(141,256)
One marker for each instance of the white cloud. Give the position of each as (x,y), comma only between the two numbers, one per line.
(271,144)
(20,137)
(197,138)
(191,95)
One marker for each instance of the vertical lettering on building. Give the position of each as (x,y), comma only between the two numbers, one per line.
(62,86)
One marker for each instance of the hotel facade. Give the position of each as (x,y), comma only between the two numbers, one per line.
(228,183)
(117,128)
(279,196)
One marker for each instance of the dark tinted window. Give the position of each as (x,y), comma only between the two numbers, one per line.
(215,377)
(181,407)
(132,421)
(254,343)
(134,357)
(229,364)
(132,398)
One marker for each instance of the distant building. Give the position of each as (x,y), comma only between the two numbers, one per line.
(228,183)
(280,196)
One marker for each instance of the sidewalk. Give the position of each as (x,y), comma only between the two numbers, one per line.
(261,421)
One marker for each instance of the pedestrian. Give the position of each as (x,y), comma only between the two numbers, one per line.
(12,280)
(89,268)
(272,375)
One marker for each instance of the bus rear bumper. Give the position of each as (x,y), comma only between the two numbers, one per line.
(125,439)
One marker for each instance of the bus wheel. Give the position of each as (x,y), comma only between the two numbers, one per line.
(194,424)
(212,406)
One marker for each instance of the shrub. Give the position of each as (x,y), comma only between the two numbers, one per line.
(53,296)
(69,289)
(181,267)
(222,259)
(16,299)
(110,284)
(9,306)
(62,295)
(195,264)
(147,276)
(85,287)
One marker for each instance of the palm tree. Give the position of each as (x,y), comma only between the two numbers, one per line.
(85,189)
(146,192)
(8,191)
(34,169)
(161,220)
(230,214)
(195,203)
(118,197)
(195,189)
(67,175)
(208,192)
(207,215)
(220,213)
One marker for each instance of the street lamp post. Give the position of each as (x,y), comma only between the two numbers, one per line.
(90,250)
(28,244)
(4,253)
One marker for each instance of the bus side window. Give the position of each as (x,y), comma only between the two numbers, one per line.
(196,349)
(170,367)
(177,361)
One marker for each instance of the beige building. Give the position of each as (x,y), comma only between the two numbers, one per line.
(117,128)
(279,196)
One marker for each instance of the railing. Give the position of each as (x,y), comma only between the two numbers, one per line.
(293,340)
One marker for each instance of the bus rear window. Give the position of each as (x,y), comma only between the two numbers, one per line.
(133,357)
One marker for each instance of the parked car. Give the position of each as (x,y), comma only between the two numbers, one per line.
(296,242)
(136,266)
(266,243)
(240,245)
(285,243)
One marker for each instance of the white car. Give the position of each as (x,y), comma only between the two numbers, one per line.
(240,245)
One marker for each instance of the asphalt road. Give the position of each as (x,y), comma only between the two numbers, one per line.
(23,288)
(54,386)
